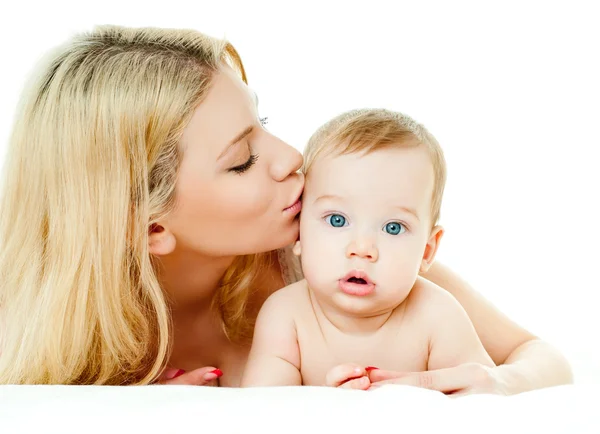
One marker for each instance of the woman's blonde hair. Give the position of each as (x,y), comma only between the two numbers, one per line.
(92,163)
(367,130)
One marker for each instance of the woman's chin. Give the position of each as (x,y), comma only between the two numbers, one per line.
(284,237)
(276,237)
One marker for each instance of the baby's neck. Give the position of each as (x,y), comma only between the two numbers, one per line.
(350,323)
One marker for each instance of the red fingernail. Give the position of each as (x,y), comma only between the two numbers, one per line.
(370,368)
(217,372)
(178,373)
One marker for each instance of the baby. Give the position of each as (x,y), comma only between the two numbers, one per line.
(374,185)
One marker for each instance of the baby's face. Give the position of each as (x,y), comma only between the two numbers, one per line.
(365,227)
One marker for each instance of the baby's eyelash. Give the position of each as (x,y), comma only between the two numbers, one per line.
(263,121)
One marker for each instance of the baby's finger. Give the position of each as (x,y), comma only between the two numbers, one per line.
(361,383)
(342,373)
(198,377)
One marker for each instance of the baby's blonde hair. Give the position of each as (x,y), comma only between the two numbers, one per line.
(367,130)
(92,164)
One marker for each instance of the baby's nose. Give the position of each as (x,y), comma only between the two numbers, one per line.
(363,247)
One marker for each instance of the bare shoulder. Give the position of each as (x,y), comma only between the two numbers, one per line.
(290,292)
(286,299)
(268,283)
(431,300)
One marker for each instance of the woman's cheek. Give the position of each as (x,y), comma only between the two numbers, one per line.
(247,199)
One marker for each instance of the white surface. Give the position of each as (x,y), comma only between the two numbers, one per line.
(183,409)
(510,89)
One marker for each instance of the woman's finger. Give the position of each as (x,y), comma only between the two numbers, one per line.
(443,380)
(170,373)
(382,375)
(198,377)
(462,393)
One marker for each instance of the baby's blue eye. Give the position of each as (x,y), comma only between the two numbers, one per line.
(394,228)
(336,220)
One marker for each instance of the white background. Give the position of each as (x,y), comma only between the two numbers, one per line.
(510,89)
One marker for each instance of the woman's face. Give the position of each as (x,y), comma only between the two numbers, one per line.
(238,188)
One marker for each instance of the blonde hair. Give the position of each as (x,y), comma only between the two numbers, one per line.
(367,130)
(92,163)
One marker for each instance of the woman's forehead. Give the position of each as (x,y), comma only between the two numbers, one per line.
(227,111)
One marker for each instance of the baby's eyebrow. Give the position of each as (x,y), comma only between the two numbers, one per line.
(328,197)
(408,210)
(339,198)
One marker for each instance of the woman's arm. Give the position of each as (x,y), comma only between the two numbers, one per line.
(527,362)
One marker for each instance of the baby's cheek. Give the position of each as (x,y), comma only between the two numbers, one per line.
(317,265)
(322,253)
(401,269)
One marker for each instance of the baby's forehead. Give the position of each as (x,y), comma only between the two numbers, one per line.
(406,173)
(380,162)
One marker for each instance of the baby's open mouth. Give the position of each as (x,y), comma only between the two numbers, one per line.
(356,283)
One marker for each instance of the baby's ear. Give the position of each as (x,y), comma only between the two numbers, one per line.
(296,249)
(431,248)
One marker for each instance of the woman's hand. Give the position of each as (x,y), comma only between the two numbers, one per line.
(466,379)
(349,376)
(206,376)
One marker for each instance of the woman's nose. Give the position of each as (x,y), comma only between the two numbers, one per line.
(286,162)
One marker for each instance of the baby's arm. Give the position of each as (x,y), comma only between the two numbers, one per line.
(274,359)
(453,339)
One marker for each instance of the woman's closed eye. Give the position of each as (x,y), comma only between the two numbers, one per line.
(241,168)
(244,166)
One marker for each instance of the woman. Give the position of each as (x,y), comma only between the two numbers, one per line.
(145,218)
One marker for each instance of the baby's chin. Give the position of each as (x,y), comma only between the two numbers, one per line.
(352,306)
(363,307)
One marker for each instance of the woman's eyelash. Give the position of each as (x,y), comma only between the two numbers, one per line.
(253,157)
(247,165)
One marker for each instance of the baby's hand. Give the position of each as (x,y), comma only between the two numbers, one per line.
(349,376)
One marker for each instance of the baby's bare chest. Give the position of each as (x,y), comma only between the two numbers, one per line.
(404,349)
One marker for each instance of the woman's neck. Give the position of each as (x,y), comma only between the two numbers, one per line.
(191,280)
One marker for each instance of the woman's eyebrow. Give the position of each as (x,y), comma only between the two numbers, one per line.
(243,134)
(236,140)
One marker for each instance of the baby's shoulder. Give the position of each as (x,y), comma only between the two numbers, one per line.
(289,297)
(430,300)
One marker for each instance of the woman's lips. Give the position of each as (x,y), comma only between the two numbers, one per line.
(294,208)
